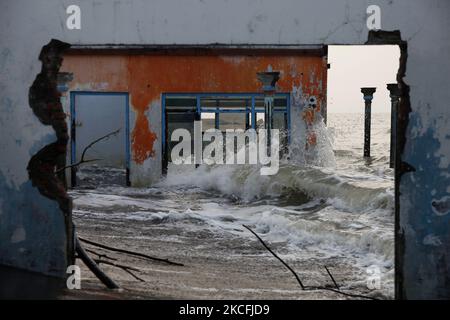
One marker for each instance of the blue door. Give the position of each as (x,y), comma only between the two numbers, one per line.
(94,115)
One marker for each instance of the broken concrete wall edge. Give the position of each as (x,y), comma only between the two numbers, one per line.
(44,100)
(404,109)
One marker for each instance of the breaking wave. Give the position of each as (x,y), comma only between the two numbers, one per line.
(309,200)
(335,206)
(245,183)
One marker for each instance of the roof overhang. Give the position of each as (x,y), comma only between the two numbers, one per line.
(200,49)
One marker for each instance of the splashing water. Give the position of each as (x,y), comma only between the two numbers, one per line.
(330,199)
(328,203)
(321,155)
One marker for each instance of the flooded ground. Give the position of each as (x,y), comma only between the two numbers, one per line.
(338,215)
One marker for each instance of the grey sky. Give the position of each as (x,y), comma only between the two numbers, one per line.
(353,67)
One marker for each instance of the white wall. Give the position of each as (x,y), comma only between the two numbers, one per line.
(25,26)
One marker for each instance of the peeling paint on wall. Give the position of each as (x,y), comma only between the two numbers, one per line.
(441,207)
(146,77)
(424,24)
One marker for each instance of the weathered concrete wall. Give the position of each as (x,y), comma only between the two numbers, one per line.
(146,77)
(35,232)
(424,215)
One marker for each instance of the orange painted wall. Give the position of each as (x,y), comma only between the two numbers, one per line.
(145,77)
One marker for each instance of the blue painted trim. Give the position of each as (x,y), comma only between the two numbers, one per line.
(163,123)
(199,107)
(257,110)
(217,121)
(72,122)
(218,95)
(127,132)
(288,108)
(214,110)
(100,93)
(253,110)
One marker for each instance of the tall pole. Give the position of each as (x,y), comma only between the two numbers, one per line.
(368,96)
(269,80)
(394,94)
(268,115)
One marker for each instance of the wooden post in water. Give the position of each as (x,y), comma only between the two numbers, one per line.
(394,94)
(368,96)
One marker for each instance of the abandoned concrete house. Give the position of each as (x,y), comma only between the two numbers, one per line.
(167,86)
(148,76)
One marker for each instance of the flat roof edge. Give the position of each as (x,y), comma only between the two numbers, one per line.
(214,48)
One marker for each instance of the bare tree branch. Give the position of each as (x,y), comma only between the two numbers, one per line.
(308,288)
(106,136)
(331,276)
(100,255)
(82,160)
(133,275)
(103,277)
(137,254)
(125,268)
(275,255)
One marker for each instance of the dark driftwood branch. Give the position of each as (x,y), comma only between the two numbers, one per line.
(125,268)
(332,278)
(341,292)
(133,275)
(308,288)
(132,253)
(100,255)
(276,256)
(103,277)
(106,136)
(82,160)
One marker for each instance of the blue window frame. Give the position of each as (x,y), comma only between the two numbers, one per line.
(251,104)
(250,109)
(73,146)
